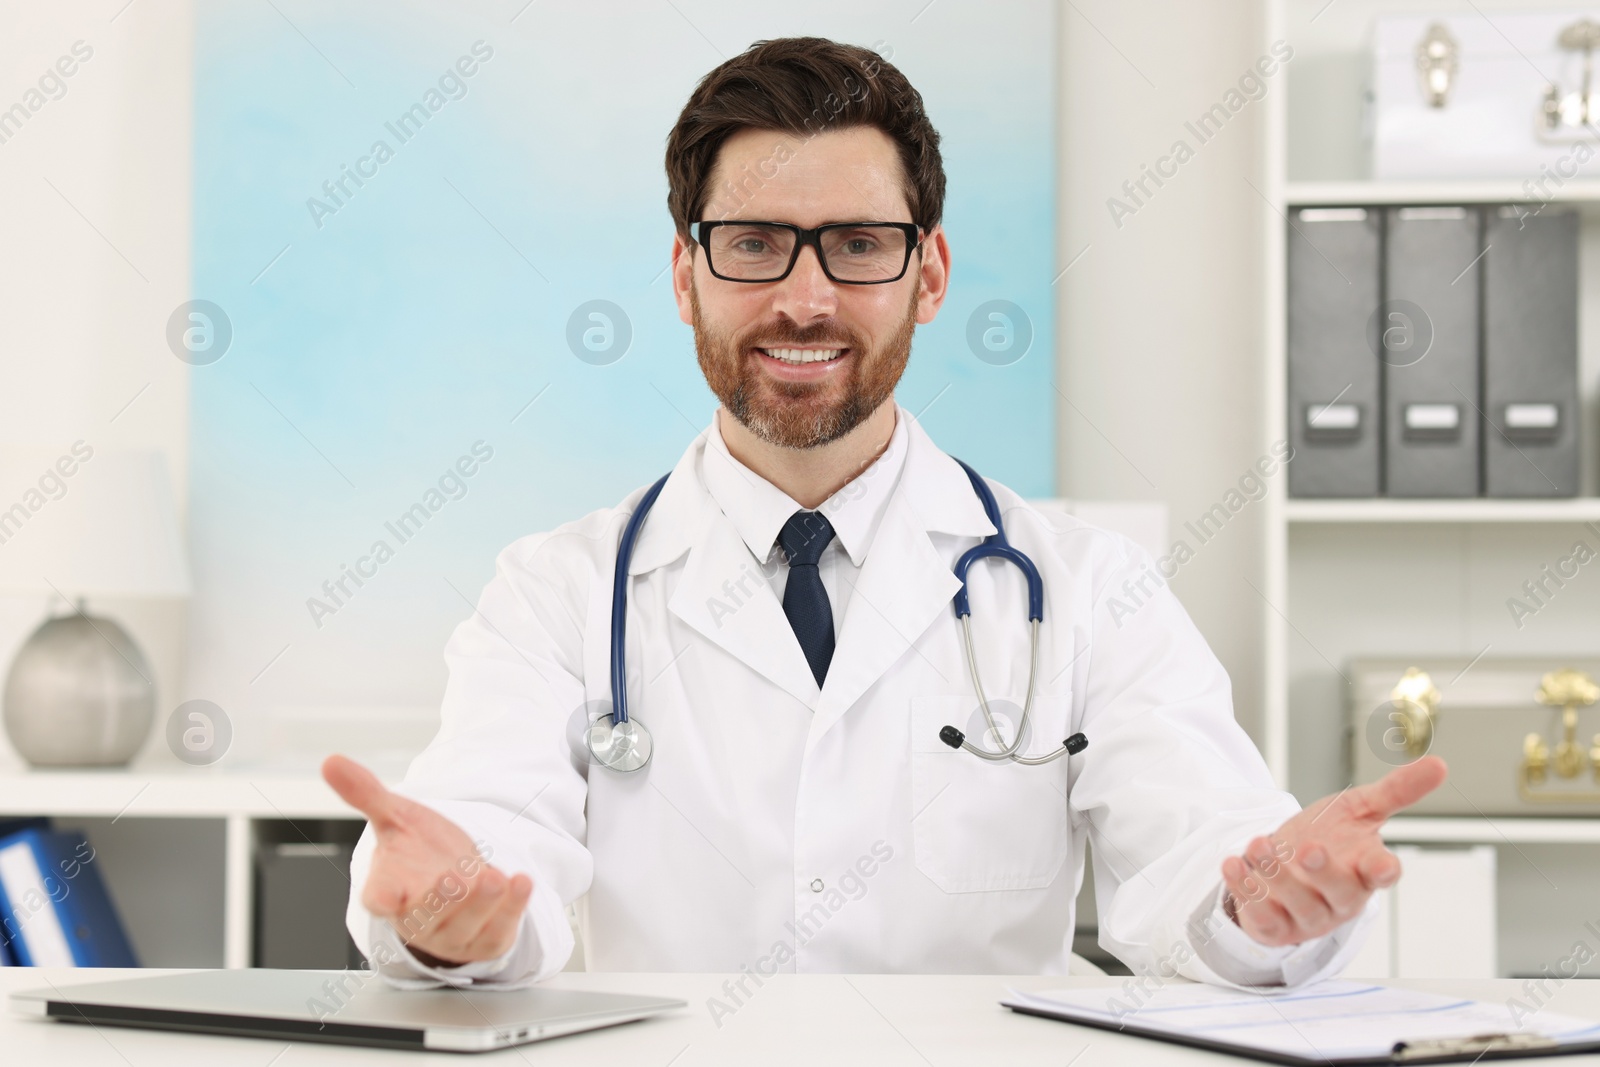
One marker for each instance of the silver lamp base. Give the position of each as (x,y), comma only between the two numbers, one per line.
(79,694)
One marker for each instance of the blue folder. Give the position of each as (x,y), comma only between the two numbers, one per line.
(54,909)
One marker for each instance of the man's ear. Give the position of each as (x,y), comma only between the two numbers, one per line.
(933,268)
(683,277)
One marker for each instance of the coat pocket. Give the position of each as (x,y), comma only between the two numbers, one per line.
(981,825)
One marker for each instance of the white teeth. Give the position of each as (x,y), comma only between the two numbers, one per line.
(803,355)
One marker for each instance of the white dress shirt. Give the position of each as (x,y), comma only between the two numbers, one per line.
(758,510)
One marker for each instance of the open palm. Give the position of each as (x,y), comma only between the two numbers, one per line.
(1316,871)
(427,877)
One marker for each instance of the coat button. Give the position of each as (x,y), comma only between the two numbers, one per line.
(816,885)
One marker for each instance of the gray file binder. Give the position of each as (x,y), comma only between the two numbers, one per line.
(1430,351)
(1530,353)
(1333,365)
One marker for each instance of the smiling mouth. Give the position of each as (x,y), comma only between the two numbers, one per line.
(799,357)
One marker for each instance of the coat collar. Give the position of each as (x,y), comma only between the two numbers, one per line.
(759,509)
(903,585)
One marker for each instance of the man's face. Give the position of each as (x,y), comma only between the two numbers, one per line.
(849,175)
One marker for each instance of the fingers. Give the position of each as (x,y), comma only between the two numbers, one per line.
(478,920)
(1309,913)
(1284,897)
(1379,868)
(412,878)
(1340,885)
(1259,915)
(1401,787)
(362,790)
(499,931)
(472,903)
(418,891)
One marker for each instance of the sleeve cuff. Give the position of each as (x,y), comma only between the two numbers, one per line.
(396,962)
(1238,959)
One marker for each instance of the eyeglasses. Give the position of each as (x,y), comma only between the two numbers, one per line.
(852,253)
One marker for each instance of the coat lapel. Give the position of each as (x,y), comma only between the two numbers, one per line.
(722,593)
(753,629)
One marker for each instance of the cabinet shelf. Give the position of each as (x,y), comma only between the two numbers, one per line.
(1420,829)
(1579,509)
(1330,194)
(122,793)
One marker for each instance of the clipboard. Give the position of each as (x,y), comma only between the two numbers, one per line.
(1331,1024)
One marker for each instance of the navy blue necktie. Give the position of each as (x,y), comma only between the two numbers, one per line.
(805,602)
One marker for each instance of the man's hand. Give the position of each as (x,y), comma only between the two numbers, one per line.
(1318,869)
(427,878)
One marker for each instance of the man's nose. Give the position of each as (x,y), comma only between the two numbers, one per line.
(807,293)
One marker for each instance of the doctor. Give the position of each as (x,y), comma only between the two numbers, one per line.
(792,651)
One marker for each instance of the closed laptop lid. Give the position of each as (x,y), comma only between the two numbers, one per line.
(347,1007)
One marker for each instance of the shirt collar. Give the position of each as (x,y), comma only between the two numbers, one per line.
(758,509)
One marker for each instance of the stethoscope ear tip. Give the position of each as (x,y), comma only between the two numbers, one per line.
(952,737)
(1076,744)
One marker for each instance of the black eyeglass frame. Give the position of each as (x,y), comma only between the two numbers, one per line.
(913,233)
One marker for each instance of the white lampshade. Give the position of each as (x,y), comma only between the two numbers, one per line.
(107,529)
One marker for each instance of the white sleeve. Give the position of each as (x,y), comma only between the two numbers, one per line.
(1236,959)
(1170,786)
(501,766)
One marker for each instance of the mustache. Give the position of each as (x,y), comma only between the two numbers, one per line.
(778,337)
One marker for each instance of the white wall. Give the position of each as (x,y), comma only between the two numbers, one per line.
(1160,321)
(95,235)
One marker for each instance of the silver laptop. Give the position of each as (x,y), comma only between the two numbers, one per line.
(341,1007)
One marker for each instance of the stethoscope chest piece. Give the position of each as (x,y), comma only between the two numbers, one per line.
(622,746)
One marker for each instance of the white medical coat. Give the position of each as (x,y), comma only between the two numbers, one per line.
(782,828)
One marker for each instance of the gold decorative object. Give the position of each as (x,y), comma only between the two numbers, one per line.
(1567,690)
(1575,111)
(1438,57)
(1415,700)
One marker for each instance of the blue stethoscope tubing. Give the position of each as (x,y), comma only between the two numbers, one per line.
(624,744)
(996,546)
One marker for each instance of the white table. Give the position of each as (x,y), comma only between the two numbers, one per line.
(809,1020)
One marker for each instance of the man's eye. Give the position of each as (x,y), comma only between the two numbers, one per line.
(752,245)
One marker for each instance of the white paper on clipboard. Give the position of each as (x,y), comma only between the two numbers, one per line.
(1334,1021)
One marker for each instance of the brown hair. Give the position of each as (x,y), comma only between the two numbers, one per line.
(802,86)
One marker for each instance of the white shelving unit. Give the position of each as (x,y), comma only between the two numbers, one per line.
(1370,526)
(1347,578)
(124,804)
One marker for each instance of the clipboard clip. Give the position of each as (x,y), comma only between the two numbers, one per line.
(1451,1048)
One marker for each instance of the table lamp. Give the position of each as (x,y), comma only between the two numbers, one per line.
(76,524)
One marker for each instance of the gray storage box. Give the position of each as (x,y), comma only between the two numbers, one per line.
(302,888)
(1530,352)
(1334,417)
(1430,362)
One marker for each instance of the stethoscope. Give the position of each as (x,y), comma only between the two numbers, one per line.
(624,744)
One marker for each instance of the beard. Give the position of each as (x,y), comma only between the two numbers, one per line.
(801,414)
